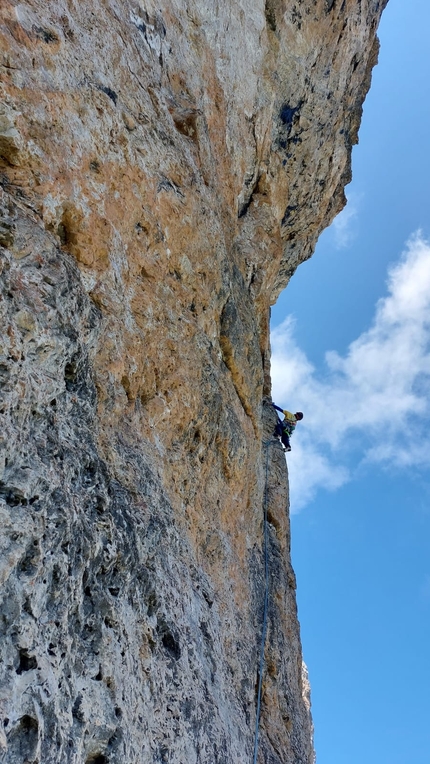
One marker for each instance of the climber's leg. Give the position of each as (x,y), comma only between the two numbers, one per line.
(285,441)
(278,430)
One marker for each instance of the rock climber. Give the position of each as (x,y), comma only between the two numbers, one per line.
(285,427)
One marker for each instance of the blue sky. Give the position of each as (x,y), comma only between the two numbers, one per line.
(351,348)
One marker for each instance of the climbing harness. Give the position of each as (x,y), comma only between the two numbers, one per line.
(267,444)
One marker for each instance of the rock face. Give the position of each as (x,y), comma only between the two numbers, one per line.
(164,169)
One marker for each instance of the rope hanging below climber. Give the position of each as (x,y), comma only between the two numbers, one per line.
(284,429)
(267,444)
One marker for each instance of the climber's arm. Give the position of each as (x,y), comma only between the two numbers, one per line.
(277,408)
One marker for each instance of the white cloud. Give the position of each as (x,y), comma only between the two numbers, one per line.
(345,223)
(376,399)
(309,469)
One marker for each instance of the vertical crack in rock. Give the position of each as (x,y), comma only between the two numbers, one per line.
(163,172)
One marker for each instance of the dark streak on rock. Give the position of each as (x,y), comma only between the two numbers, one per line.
(288,215)
(46,35)
(109,92)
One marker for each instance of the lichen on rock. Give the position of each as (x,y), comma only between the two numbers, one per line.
(164,168)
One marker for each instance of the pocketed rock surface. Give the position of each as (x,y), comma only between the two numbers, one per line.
(164,169)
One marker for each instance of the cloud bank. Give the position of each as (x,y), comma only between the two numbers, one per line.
(373,404)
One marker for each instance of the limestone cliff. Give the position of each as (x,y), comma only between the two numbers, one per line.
(164,169)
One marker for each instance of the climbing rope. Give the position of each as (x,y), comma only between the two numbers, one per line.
(266,443)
